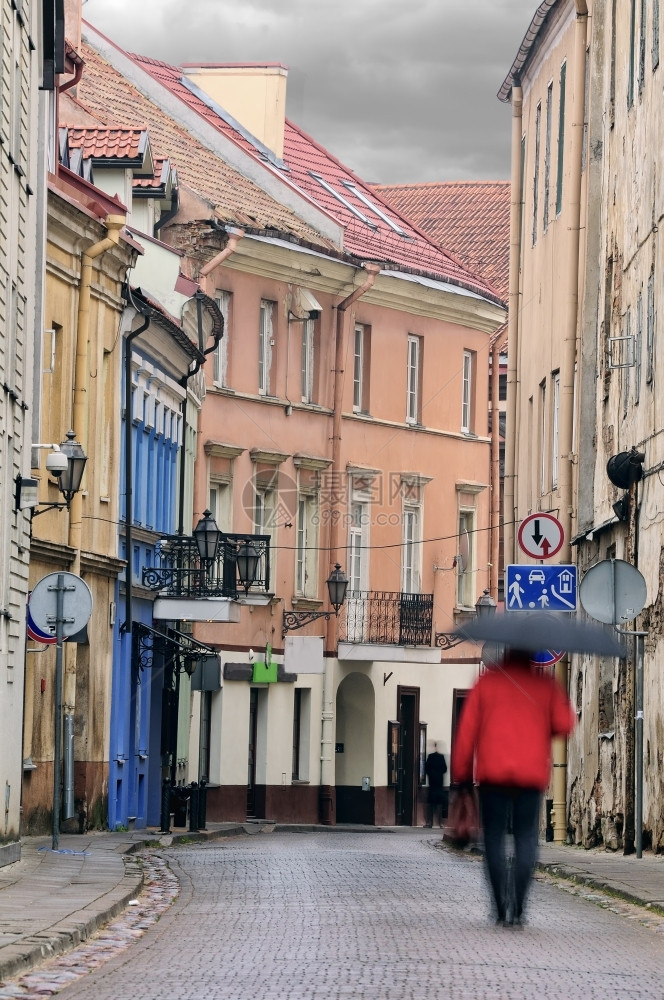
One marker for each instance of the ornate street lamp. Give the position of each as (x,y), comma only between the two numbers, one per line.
(247,560)
(66,463)
(485,606)
(337,585)
(207,536)
(69,481)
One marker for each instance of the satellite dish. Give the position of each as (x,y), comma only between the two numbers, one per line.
(613,592)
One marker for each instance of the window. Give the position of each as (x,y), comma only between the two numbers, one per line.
(301,727)
(308,361)
(361,363)
(465,561)
(265,344)
(542,441)
(220,503)
(555,414)
(655,34)
(561,140)
(467,373)
(632,53)
(413,408)
(547,155)
(538,125)
(410,570)
(220,373)
(625,370)
(638,348)
(306,553)
(650,329)
(359,521)
(642,46)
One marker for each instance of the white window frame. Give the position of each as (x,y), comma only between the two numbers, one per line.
(413,380)
(543,448)
(555,417)
(466,392)
(358,569)
(220,502)
(220,373)
(307,361)
(466,572)
(306,546)
(265,342)
(650,329)
(358,367)
(411,563)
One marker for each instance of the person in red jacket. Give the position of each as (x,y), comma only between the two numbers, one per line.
(503,742)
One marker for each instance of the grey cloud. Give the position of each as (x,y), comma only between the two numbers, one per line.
(398,91)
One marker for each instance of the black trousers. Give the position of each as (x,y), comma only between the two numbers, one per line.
(435,806)
(500,807)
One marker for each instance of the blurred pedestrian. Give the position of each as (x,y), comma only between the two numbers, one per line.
(435,768)
(503,742)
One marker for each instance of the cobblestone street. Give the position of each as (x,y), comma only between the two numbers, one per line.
(384,916)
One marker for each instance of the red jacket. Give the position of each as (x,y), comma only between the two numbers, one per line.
(506,725)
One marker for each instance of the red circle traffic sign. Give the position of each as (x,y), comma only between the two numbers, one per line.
(541,536)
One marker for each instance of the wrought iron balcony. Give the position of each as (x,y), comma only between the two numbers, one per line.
(385,618)
(181,572)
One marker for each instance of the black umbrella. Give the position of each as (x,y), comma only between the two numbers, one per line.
(536,630)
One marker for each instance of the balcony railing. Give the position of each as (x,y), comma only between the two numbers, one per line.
(391,619)
(180,571)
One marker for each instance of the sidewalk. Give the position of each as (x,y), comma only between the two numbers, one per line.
(51,901)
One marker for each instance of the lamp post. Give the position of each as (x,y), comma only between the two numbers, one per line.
(485,607)
(337,585)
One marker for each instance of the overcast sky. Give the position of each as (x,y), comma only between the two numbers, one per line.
(399,90)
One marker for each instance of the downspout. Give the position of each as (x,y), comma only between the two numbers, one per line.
(326,803)
(113,223)
(510,493)
(234,237)
(146,312)
(497,348)
(567,363)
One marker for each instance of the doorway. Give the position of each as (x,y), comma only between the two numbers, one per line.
(253,736)
(408,716)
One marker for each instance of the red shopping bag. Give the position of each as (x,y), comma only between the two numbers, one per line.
(463,816)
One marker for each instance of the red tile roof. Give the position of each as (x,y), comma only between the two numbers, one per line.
(379,241)
(108,143)
(233,198)
(162,170)
(470,218)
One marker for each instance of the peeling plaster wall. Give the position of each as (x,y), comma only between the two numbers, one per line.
(624,297)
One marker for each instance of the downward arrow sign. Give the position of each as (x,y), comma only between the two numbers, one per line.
(537,535)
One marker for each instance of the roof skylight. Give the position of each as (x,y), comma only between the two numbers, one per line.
(351,208)
(361,196)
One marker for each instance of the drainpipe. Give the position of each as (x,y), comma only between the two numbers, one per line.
(568,359)
(234,237)
(326,803)
(146,312)
(510,492)
(113,223)
(497,347)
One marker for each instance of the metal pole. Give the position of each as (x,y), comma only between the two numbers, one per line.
(638,746)
(57,750)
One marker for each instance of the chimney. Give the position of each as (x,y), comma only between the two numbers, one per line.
(253,93)
(73,23)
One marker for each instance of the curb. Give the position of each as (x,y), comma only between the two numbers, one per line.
(71,931)
(557,870)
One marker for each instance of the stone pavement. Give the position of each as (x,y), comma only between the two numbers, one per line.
(51,901)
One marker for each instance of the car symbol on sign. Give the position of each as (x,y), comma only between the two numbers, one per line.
(536,576)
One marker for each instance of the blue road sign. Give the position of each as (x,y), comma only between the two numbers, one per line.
(547,657)
(540,588)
